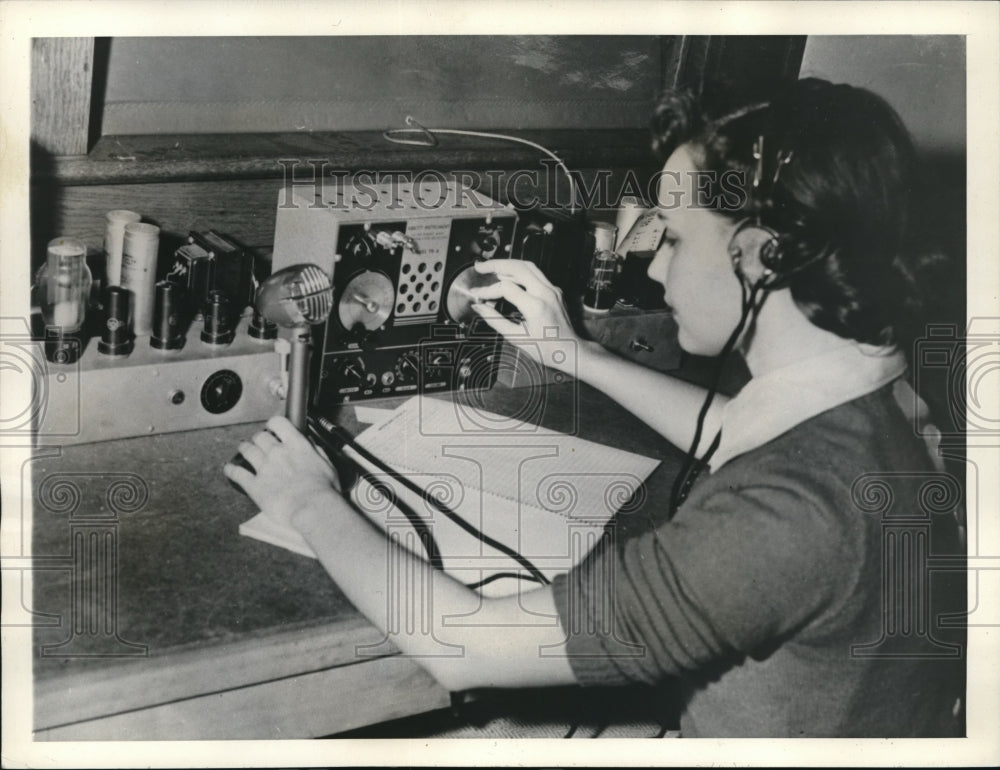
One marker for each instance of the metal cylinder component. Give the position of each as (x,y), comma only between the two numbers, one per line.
(218,328)
(167,333)
(262,329)
(116,335)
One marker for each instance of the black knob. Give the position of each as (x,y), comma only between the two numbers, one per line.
(360,247)
(221,391)
(353,373)
(366,338)
(408,367)
(116,337)
(488,243)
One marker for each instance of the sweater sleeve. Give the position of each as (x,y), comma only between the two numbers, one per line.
(736,569)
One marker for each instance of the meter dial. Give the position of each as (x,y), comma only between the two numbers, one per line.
(459,302)
(366,301)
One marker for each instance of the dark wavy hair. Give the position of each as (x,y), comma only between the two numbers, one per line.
(840,206)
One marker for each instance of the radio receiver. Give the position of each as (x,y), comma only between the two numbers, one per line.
(401,257)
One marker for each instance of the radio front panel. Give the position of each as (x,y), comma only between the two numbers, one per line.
(402,321)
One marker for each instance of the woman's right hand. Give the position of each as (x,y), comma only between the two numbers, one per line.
(545,332)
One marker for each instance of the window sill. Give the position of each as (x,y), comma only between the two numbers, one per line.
(206,157)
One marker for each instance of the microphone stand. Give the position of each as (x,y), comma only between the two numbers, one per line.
(298,377)
(295,298)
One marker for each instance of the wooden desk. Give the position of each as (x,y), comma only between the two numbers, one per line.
(220,636)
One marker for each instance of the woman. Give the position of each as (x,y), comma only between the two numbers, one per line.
(762,593)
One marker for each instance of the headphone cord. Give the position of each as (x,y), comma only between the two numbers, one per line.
(752,299)
(323,430)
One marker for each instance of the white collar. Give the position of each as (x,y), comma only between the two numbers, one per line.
(773,403)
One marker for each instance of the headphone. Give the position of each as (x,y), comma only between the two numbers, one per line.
(752,236)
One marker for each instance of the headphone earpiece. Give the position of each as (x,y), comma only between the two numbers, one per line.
(771,255)
(753,239)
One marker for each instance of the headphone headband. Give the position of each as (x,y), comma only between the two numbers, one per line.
(752,233)
(761,194)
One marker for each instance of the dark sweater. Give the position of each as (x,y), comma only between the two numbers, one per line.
(759,597)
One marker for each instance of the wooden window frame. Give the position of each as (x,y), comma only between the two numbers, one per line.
(68,149)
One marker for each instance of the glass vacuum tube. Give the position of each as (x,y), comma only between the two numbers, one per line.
(63,292)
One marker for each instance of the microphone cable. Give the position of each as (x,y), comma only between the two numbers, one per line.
(333,437)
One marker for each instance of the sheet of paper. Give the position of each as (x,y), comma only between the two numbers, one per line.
(544,494)
(372,415)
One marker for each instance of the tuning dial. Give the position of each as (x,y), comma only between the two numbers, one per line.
(408,367)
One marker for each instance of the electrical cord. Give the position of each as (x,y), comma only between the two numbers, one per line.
(751,301)
(325,431)
(392,135)
(498,575)
(424,532)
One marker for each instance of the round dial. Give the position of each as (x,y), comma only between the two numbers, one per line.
(221,391)
(459,301)
(366,301)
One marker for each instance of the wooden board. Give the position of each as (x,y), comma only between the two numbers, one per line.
(302,706)
(242,208)
(60,94)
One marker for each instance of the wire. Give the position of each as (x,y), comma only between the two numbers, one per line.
(752,300)
(498,576)
(392,135)
(325,428)
(424,532)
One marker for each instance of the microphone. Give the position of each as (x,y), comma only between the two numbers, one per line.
(295,298)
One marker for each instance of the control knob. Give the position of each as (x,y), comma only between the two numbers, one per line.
(408,367)
(221,391)
(486,242)
(353,373)
(366,339)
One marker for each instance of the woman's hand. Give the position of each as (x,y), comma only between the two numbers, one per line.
(546,332)
(289,473)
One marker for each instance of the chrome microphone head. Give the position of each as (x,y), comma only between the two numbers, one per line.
(296,296)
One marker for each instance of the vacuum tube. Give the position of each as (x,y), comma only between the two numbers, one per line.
(63,292)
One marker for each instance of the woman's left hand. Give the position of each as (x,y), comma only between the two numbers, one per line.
(289,472)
